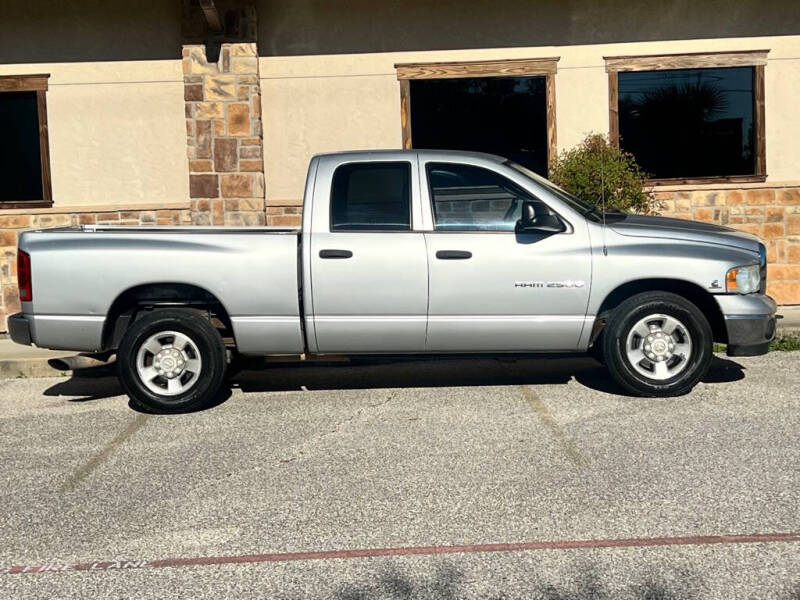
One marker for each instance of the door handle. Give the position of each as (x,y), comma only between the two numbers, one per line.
(335,254)
(453,254)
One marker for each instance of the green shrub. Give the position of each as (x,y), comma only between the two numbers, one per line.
(783,342)
(787,342)
(596,166)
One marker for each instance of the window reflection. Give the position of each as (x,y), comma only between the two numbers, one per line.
(689,122)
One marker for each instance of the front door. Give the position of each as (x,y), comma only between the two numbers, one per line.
(490,288)
(369,269)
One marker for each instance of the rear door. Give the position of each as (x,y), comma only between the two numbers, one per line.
(492,289)
(369,270)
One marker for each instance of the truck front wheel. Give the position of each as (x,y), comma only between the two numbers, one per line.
(657,344)
(172,361)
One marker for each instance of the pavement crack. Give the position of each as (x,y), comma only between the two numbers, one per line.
(84,471)
(354,416)
(544,414)
(338,424)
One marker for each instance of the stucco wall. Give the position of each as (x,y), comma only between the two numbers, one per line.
(320,103)
(115,99)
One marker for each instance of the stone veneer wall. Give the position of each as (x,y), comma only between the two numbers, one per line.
(224,143)
(284,216)
(772,213)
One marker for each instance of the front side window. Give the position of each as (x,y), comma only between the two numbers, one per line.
(690,123)
(371,196)
(468,198)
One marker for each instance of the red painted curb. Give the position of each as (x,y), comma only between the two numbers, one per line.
(699,540)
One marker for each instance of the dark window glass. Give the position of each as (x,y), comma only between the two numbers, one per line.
(369,196)
(20,161)
(467,198)
(689,122)
(500,115)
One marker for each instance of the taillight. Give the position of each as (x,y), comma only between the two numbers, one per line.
(24,276)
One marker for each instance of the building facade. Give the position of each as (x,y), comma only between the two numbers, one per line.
(171,112)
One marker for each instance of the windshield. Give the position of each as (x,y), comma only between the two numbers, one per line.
(587,210)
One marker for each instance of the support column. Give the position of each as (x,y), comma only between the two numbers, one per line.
(223,125)
(222,95)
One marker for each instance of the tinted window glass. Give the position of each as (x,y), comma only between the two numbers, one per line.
(689,122)
(20,161)
(573,201)
(501,115)
(370,196)
(469,198)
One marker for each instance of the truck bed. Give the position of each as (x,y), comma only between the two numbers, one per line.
(79,272)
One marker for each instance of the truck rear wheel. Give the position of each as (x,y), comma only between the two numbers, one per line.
(657,344)
(172,361)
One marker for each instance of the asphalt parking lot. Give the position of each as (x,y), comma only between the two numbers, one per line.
(468,478)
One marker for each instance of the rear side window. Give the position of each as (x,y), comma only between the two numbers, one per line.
(371,196)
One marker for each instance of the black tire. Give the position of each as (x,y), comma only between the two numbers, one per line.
(639,307)
(202,386)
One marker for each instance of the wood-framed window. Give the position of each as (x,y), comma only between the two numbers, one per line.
(691,118)
(505,107)
(25,147)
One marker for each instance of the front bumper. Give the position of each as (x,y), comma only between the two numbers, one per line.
(750,336)
(19,329)
(750,322)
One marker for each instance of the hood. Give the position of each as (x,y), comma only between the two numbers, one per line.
(680,229)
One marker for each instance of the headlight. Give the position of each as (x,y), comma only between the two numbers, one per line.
(743,280)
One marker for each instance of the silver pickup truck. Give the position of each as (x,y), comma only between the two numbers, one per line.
(400,252)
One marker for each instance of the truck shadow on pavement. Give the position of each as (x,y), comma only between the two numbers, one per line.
(448,582)
(366,373)
(392,372)
(583,581)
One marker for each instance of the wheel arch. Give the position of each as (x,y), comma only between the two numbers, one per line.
(150,296)
(692,292)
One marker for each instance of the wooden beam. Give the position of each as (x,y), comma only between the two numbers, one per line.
(613,108)
(720,179)
(552,145)
(481,68)
(405,112)
(695,60)
(23,83)
(212,15)
(760,124)
(44,146)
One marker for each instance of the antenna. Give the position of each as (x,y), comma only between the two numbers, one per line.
(603,195)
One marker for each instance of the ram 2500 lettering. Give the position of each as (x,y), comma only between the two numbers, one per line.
(400,252)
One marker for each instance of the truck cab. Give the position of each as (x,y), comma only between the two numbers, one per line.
(423,252)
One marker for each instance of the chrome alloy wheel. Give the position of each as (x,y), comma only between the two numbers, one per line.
(659,347)
(168,363)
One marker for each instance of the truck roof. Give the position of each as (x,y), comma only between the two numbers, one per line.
(400,153)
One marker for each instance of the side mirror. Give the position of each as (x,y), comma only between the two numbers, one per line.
(531,222)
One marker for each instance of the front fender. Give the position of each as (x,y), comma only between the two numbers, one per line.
(629,259)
